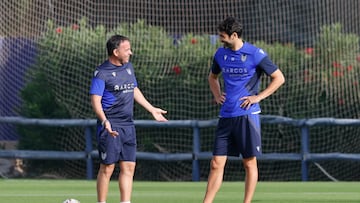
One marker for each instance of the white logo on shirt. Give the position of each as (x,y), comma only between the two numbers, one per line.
(243,58)
(113,74)
(128,71)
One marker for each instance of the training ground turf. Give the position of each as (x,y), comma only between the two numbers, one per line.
(55,191)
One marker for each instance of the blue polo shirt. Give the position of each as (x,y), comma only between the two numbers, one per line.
(116,86)
(241,71)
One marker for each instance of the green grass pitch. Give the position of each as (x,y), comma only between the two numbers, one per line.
(55,191)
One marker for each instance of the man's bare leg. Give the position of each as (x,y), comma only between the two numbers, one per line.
(215,178)
(251,178)
(126,176)
(102,182)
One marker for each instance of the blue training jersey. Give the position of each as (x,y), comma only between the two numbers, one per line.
(116,86)
(241,71)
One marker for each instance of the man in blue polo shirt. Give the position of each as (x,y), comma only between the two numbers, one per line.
(238,132)
(112,92)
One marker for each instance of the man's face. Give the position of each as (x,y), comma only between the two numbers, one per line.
(123,52)
(226,39)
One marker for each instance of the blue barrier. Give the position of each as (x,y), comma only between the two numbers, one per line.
(304,124)
(19,55)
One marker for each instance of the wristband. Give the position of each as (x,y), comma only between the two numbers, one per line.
(103,122)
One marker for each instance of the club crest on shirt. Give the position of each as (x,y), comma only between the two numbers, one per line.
(243,58)
(128,70)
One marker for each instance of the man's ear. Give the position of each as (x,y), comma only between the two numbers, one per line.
(115,53)
(234,35)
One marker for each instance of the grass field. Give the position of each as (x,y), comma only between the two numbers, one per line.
(55,191)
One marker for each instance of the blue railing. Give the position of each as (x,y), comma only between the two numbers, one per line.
(305,156)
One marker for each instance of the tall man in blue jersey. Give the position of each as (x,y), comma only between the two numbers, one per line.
(113,91)
(238,130)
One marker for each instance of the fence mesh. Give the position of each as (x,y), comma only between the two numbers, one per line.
(315,43)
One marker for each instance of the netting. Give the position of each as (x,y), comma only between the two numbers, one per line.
(55,46)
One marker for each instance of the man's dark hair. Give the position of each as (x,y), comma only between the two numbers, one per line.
(114,42)
(231,25)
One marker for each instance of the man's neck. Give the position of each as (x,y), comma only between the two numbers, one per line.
(114,61)
(239,43)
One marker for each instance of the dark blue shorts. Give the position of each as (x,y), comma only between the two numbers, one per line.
(118,148)
(238,135)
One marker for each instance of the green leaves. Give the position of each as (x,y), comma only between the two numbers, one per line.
(322,80)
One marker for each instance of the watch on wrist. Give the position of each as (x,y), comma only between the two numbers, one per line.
(103,122)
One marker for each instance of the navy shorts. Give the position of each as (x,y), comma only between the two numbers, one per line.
(238,135)
(119,148)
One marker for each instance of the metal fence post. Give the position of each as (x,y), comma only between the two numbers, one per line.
(196,151)
(304,151)
(88,150)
